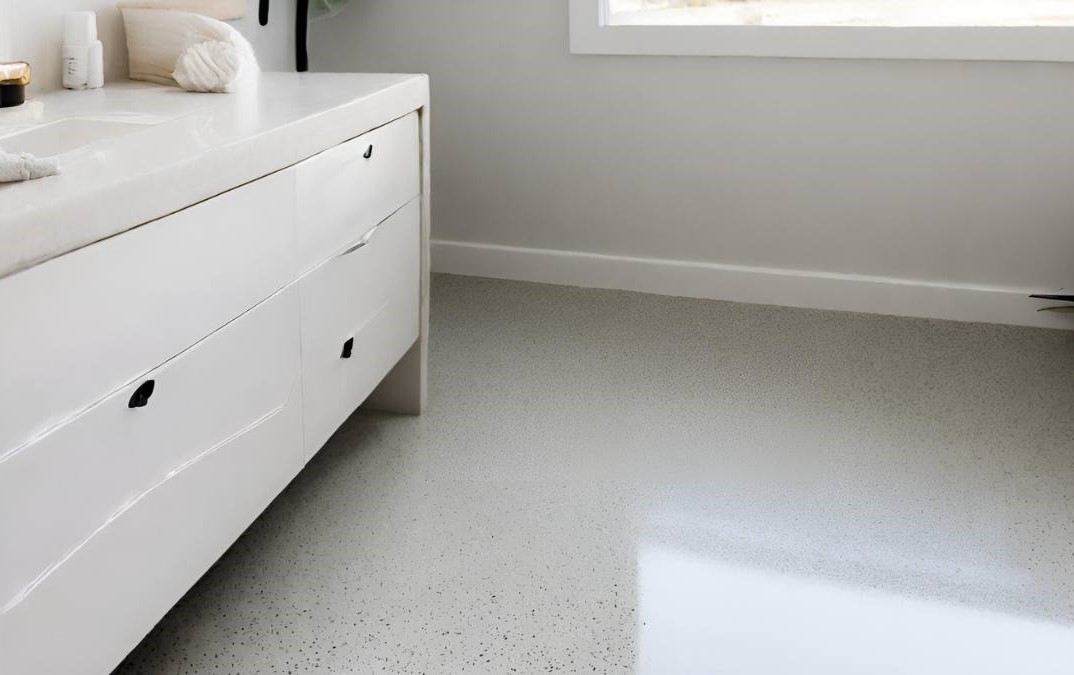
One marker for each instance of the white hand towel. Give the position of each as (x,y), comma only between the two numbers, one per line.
(212,66)
(24,166)
(224,10)
(191,50)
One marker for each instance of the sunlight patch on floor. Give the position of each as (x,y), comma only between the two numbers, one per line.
(697,615)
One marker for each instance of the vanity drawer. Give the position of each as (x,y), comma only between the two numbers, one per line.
(79,327)
(342,193)
(360,315)
(58,491)
(90,610)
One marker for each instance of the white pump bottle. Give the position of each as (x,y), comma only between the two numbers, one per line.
(83,54)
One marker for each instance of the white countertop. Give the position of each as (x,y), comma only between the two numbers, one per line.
(199,146)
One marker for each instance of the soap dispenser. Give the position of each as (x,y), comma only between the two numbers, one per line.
(83,54)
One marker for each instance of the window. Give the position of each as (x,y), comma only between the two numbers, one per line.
(1024,30)
(892,13)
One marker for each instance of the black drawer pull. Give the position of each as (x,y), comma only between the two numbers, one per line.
(368,152)
(348,349)
(140,397)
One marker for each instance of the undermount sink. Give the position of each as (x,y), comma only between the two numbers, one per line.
(62,136)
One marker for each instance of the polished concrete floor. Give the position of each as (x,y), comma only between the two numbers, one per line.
(616,482)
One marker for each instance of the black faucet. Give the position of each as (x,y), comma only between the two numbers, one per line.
(302,15)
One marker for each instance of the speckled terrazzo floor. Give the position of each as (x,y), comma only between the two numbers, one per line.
(615,482)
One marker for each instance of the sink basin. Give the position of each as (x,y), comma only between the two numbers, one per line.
(62,136)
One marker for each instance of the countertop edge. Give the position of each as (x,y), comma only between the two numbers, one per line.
(296,141)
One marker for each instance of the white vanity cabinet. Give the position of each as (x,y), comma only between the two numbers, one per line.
(160,387)
(360,300)
(82,325)
(359,316)
(109,519)
(344,192)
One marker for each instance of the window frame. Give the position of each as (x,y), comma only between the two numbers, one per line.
(590,34)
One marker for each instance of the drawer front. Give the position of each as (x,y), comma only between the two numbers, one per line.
(370,297)
(58,491)
(91,610)
(79,327)
(342,193)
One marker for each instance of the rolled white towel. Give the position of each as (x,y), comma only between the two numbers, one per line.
(212,66)
(24,166)
(224,10)
(194,51)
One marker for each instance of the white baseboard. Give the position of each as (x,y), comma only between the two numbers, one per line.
(738,283)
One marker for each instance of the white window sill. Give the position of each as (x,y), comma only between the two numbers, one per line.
(591,35)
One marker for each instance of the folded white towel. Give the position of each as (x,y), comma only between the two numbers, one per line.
(24,166)
(224,10)
(194,51)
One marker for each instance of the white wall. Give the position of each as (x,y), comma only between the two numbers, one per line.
(958,174)
(36,36)
(33,32)
(5,30)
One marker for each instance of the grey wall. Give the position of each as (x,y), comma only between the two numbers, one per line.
(274,43)
(944,171)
